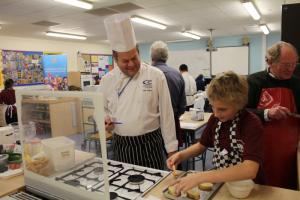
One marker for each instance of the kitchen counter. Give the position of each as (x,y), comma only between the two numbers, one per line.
(187,123)
(12,185)
(15,184)
(259,192)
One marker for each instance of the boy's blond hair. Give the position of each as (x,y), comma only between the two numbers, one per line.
(229,88)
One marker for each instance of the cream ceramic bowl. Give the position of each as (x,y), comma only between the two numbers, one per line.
(240,189)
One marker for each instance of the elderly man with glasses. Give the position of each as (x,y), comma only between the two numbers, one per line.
(274,95)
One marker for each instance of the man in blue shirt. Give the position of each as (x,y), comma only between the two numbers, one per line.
(159,57)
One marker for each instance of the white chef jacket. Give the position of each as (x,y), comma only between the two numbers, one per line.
(143,106)
(190,88)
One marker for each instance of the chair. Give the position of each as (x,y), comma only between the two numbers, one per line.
(93,136)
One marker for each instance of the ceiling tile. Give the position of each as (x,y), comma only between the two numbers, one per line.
(125,7)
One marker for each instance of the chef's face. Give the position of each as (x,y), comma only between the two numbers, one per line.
(286,66)
(128,62)
(224,111)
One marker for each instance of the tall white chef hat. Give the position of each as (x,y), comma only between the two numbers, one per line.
(120,32)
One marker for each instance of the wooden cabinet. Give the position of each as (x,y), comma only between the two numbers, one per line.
(58,117)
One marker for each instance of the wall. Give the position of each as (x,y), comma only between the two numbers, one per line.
(257,49)
(71,48)
(68,48)
(273,38)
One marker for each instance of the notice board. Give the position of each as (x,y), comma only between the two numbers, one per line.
(96,63)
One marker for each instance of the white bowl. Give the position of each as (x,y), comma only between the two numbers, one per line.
(240,189)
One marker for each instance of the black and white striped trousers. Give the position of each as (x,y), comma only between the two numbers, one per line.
(144,150)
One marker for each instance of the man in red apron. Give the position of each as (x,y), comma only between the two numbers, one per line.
(274,95)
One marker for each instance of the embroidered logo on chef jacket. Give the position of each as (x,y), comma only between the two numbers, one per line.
(147,85)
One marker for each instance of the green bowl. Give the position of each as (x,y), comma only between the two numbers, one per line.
(15,158)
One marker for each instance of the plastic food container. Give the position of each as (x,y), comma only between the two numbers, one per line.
(29,130)
(39,164)
(240,189)
(34,146)
(60,151)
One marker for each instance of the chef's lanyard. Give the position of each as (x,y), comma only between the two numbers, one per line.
(122,90)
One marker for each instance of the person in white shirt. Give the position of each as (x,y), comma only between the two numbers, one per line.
(136,101)
(190,86)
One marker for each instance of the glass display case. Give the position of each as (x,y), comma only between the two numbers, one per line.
(57,167)
(49,153)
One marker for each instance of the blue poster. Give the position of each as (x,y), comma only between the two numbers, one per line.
(56,71)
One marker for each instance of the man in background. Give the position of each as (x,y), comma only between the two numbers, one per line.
(136,101)
(159,56)
(190,86)
(200,82)
(8,97)
(274,95)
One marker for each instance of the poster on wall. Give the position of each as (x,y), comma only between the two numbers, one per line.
(55,71)
(98,64)
(23,67)
(105,63)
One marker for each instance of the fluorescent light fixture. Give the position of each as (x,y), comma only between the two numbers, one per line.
(264,28)
(77,3)
(252,10)
(191,35)
(65,35)
(148,22)
(174,41)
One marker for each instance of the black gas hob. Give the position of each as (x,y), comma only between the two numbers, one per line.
(125,181)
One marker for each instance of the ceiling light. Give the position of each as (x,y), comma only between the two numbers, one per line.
(174,41)
(77,3)
(148,22)
(65,35)
(252,10)
(191,35)
(264,28)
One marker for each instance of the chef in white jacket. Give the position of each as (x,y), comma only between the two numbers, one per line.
(137,101)
(190,86)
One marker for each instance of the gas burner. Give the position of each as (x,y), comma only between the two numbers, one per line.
(136,179)
(113,195)
(126,182)
(98,170)
(74,183)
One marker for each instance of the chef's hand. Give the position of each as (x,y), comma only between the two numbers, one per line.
(174,160)
(186,183)
(278,113)
(109,125)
